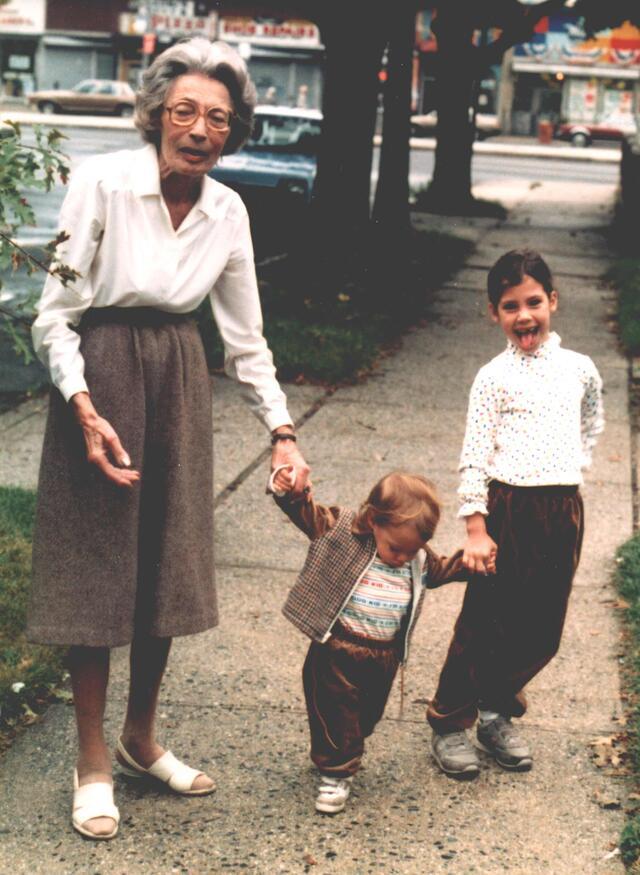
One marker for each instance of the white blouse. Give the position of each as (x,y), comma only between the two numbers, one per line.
(532,421)
(124,246)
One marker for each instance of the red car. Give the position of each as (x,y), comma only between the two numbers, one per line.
(583,133)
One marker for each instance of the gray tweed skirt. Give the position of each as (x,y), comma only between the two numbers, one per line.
(108,562)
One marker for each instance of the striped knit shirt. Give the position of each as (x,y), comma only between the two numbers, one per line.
(379,601)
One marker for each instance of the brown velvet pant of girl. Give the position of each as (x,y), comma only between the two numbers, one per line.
(347,682)
(511,623)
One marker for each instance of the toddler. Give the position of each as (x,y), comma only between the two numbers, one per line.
(358,598)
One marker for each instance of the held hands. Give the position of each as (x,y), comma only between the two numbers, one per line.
(283,479)
(479,550)
(297,474)
(103,444)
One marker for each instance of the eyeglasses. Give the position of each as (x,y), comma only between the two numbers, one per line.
(185,113)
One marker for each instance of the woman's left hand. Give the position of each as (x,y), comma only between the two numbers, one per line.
(287,453)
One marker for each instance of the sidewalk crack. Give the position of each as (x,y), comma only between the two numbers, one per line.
(235,484)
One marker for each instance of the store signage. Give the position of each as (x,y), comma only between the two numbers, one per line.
(22,16)
(560,40)
(302,34)
(173,25)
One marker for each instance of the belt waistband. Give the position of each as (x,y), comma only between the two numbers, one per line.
(142,316)
(343,634)
(554,489)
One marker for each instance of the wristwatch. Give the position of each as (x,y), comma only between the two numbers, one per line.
(282,436)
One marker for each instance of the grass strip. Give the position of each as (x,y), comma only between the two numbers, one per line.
(330,339)
(29,674)
(628,583)
(625,276)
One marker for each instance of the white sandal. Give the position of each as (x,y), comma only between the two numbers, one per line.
(168,769)
(90,801)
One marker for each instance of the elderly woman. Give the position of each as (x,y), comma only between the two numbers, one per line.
(123,543)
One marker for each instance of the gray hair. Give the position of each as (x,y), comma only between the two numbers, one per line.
(216,60)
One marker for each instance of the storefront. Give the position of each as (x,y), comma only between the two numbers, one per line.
(163,26)
(67,59)
(561,76)
(22,24)
(284,58)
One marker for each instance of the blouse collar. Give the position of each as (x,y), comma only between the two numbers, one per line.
(146,181)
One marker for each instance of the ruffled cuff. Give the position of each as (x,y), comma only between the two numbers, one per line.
(471,507)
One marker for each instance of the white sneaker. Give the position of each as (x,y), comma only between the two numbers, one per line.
(332,794)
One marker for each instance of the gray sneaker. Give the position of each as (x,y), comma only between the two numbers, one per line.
(502,740)
(455,754)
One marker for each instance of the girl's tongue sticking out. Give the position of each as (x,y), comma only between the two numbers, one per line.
(528,339)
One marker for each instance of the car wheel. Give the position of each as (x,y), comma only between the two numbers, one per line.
(124,111)
(580,139)
(48,107)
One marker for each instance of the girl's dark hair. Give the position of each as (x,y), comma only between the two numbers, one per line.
(512,267)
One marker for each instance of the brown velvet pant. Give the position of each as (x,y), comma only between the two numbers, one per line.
(347,682)
(511,623)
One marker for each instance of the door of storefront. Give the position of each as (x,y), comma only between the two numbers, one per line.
(537,97)
(17,67)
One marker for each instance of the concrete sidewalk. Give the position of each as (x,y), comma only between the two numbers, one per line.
(232,698)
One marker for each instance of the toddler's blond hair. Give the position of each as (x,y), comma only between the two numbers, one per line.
(400,498)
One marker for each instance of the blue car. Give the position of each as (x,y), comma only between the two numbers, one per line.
(279,158)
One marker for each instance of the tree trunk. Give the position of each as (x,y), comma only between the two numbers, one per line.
(459,65)
(450,189)
(354,39)
(391,208)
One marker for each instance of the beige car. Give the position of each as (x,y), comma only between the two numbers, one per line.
(89,96)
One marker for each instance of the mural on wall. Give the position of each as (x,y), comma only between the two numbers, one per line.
(562,40)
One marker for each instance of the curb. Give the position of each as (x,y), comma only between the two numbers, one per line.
(67,121)
(563,153)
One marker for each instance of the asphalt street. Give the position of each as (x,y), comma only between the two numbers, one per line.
(83,142)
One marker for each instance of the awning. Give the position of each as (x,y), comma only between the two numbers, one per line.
(77,42)
(599,72)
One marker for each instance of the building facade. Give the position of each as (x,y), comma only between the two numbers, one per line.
(284,57)
(56,43)
(560,75)
(22,25)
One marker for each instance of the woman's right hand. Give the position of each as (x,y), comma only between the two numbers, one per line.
(103,444)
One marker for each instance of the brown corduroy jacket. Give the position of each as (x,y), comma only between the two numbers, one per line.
(338,558)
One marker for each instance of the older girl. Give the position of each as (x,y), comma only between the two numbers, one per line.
(123,543)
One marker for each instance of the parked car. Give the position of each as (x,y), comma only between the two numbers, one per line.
(614,127)
(89,96)
(279,158)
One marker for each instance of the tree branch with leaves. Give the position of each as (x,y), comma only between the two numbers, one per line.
(27,167)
